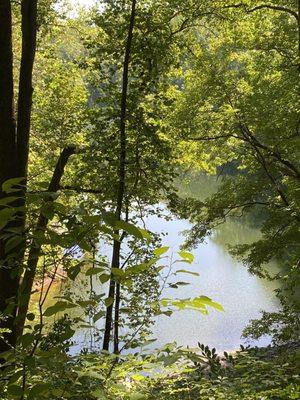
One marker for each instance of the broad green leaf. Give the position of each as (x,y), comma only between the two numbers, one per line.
(98,315)
(73,271)
(109,218)
(8,200)
(104,278)
(15,390)
(117,272)
(94,271)
(146,234)
(8,185)
(13,242)
(160,251)
(198,303)
(40,389)
(59,306)
(109,301)
(137,269)
(189,257)
(16,376)
(6,215)
(129,228)
(209,302)
(85,303)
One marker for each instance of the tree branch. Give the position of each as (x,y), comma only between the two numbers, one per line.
(276,8)
(81,190)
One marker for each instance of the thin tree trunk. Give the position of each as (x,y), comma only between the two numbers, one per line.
(117,318)
(36,246)
(121,175)
(8,275)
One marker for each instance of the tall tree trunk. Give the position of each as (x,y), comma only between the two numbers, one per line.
(121,174)
(29,30)
(25,90)
(14,148)
(8,275)
(36,246)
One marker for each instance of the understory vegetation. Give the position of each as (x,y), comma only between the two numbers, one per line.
(107,113)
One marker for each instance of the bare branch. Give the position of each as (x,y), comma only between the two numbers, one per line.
(81,190)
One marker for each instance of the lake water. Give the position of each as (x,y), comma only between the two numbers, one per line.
(221,278)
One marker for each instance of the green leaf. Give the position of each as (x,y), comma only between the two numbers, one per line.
(188,257)
(109,218)
(85,303)
(109,301)
(197,303)
(59,306)
(209,302)
(15,390)
(104,278)
(13,242)
(30,316)
(129,228)
(48,210)
(146,234)
(98,315)
(16,376)
(184,271)
(8,200)
(8,185)
(6,215)
(117,272)
(94,271)
(137,269)
(73,271)
(160,251)
(40,389)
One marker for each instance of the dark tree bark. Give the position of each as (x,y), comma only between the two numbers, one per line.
(36,246)
(14,148)
(117,318)
(121,176)
(8,275)
(29,30)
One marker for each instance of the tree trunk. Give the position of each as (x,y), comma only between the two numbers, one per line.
(14,148)
(29,28)
(8,275)
(117,318)
(121,175)
(36,246)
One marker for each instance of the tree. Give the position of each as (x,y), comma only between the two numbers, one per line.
(243,86)
(14,145)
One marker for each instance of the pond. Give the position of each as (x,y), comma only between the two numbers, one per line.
(221,278)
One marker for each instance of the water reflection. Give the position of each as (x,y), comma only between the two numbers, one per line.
(224,280)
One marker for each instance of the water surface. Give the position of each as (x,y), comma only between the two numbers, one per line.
(222,278)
